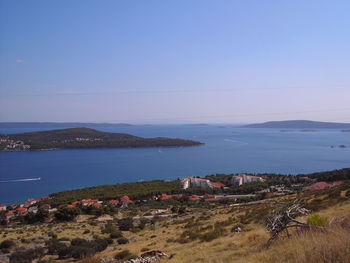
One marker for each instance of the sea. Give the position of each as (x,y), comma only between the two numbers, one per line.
(227,149)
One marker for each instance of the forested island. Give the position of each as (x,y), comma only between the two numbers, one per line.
(75,138)
(299,124)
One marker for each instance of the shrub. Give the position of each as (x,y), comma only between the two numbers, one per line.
(7,244)
(116,234)
(67,213)
(27,255)
(122,241)
(79,252)
(125,254)
(79,242)
(316,220)
(217,232)
(125,224)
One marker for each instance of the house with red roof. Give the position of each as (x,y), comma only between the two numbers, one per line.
(113,202)
(126,202)
(22,211)
(194,198)
(9,215)
(3,207)
(217,184)
(165,197)
(88,202)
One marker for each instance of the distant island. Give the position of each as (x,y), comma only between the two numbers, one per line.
(59,125)
(74,138)
(299,124)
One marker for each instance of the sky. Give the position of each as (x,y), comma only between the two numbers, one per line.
(176,61)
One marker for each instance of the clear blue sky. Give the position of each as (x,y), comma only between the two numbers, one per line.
(174,61)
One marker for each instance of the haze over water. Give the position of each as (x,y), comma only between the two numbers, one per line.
(227,149)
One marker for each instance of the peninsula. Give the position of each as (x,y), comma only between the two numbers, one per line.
(83,138)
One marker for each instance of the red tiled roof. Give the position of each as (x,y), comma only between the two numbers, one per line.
(113,201)
(194,198)
(21,210)
(165,197)
(218,184)
(127,201)
(9,213)
(75,202)
(124,197)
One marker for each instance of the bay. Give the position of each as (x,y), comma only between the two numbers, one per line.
(227,149)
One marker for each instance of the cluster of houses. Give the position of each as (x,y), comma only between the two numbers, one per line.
(30,206)
(236,180)
(34,205)
(11,145)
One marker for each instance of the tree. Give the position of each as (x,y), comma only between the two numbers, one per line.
(125,224)
(67,213)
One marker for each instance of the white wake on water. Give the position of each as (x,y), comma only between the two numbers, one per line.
(21,180)
(230,140)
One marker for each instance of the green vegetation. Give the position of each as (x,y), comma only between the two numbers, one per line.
(90,138)
(67,213)
(124,255)
(133,190)
(317,220)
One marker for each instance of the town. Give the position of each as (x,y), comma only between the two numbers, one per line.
(189,186)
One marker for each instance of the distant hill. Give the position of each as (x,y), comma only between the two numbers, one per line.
(83,138)
(299,124)
(59,125)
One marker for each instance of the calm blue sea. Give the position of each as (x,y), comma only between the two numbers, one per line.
(228,149)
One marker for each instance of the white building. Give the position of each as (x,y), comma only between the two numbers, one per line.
(244,178)
(195,182)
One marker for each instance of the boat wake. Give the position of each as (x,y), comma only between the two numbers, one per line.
(234,141)
(21,180)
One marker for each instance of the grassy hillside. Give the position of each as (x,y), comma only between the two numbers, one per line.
(208,235)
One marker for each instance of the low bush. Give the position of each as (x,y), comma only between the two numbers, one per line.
(6,244)
(122,241)
(124,255)
(316,220)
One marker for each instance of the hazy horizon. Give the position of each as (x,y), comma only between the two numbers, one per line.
(174,62)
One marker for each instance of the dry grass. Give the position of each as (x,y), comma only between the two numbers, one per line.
(245,247)
(330,246)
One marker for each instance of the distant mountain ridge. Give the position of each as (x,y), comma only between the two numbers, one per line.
(299,124)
